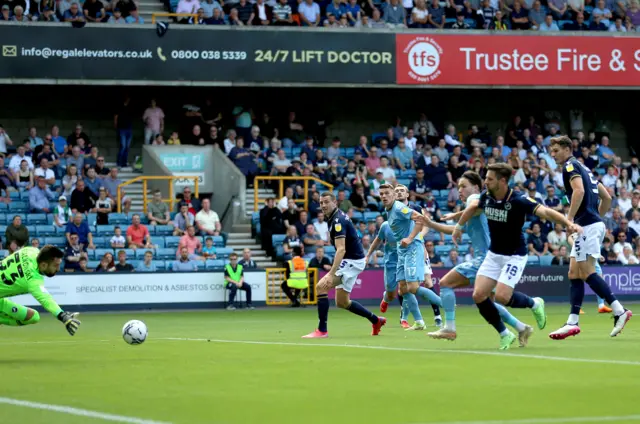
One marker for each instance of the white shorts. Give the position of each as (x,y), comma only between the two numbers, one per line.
(589,242)
(504,269)
(348,273)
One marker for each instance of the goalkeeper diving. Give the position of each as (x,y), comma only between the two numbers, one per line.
(23,272)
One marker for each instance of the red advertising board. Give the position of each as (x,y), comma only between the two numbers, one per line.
(517,60)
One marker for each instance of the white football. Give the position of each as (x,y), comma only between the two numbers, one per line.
(134,332)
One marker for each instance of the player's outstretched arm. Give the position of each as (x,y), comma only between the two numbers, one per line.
(605,200)
(441,228)
(417,228)
(69,319)
(455,216)
(576,197)
(555,216)
(468,213)
(374,246)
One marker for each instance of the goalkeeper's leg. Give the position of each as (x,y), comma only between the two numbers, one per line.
(14,314)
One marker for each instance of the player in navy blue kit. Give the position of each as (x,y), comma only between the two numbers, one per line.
(504,264)
(348,262)
(589,201)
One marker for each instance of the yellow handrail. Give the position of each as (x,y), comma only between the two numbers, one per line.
(176,15)
(172,198)
(304,200)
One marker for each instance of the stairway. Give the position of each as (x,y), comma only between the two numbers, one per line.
(242,240)
(134,191)
(263,193)
(147,8)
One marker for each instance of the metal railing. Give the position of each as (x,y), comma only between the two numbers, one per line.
(173,15)
(145,189)
(281,180)
(275,296)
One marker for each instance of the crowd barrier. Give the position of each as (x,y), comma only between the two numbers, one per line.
(204,290)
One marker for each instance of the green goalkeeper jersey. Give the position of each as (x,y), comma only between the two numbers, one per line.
(19,274)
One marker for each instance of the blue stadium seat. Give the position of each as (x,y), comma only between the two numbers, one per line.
(443,250)
(172,215)
(370,216)
(141,252)
(18,207)
(358,216)
(4,253)
(533,260)
(277,239)
(3,218)
(168,265)
(201,265)
(159,265)
(218,241)
(56,241)
(3,206)
(329,250)
(404,181)
(349,152)
(130,252)
(172,242)
(3,229)
(37,219)
(546,260)
(31,229)
(99,253)
(224,252)
(91,253)
(158,241)
(465,238)
(214,264)
(376,136)
(45,230)
(118,218)
(93,264)
(165,253)
(105,230)
(14,195)
(255,217)
(50,219)
(61,230)
(101,242)
(92,218)
(463,249)
(408,173)
(279,252)
(134,263)
(164,230)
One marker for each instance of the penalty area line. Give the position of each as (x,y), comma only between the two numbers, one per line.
(78,412)
(408,349)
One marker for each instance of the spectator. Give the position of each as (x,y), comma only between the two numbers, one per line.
(395,15)
(321,227)
(40,196)
(94,11)
(16,235)
(73,254)
(302,222)
(438,175)
(271,223)
(73,14)
(24,176)
(138,234)
(537,16)
(434,258)
(261,15)
(101,170)
(44,172)
(344,204)
(76,158)
(282,14)
(453,259)
(622,243)
(560,256)
(373,161)
(291,215)
(16,160)
(92,182)
(153,116)
(35,243)
(309,13)
(82,265)
(123,118)
(61,213)
(70,180)
(634,223)
(123,265)
(557,238)
(111,183)
(184,261)
(208,222)
(117,17)
(182,220)
(290,241)
(209,250)
(118,241)
(310,239)
(5,140)
(147,264)
(191,242)
(106,264)
(626,257)
(431,205)
(103,207)
(320,261)
(234,280)
(158,211)
(188,199)
(80,227)
(82,199)
(246,261)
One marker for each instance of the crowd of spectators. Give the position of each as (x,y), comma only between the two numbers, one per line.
(499,15)
(93,11)
(429,163)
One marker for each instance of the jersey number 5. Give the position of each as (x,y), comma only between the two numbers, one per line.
(10,278)
(594,182)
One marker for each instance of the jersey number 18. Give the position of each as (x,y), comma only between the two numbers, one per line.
(10,279)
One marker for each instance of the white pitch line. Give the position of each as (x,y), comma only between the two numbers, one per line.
(78,412)
(547,420)
(76,341)
(408,349)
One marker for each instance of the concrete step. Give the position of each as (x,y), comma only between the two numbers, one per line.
(245,242)
(242,228)
(267,264)
(237,235)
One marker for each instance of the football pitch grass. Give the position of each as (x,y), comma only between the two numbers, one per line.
(220,367)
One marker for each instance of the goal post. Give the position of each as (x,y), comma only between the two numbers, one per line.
(275,296)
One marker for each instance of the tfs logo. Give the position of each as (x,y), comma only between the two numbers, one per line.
(423,56)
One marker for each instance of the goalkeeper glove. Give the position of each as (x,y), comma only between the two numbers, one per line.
(70,321)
